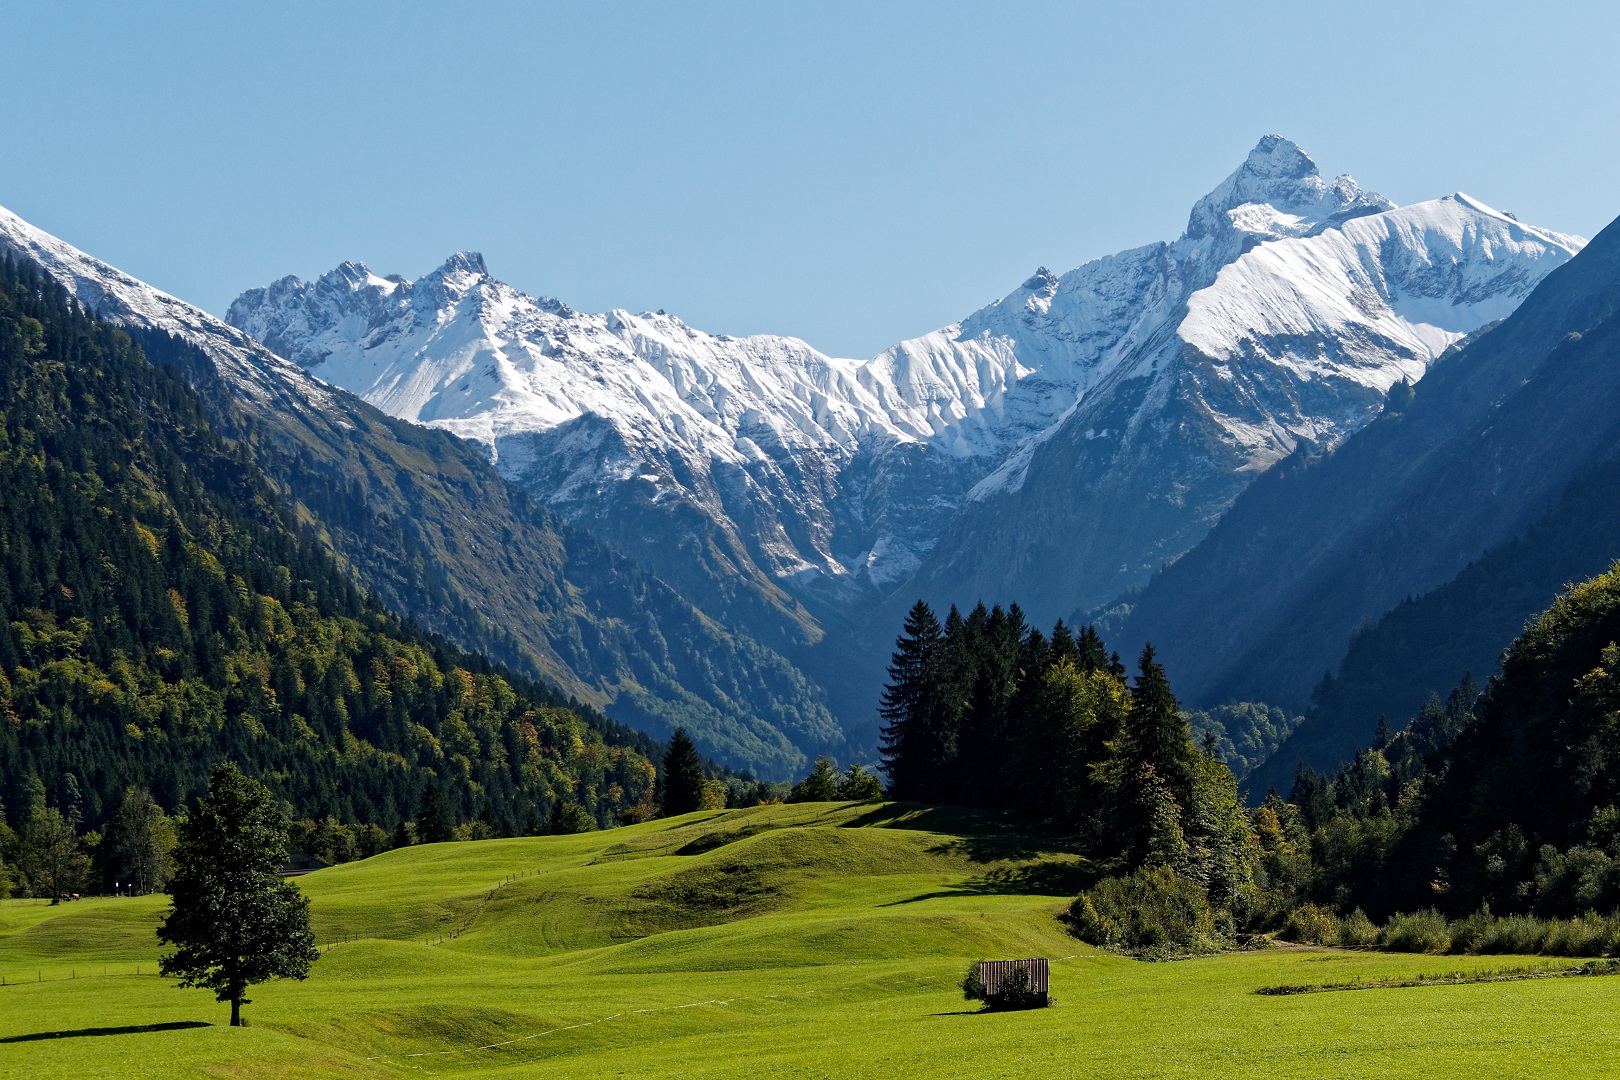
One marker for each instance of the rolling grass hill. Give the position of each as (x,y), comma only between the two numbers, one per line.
(823,940)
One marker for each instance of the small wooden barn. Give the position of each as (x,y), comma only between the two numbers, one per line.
(992,972)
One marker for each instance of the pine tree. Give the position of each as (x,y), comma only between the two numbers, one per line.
(683,777)
(234,921)
(820,786)
(996,640)
(1093,656)
(1383,733)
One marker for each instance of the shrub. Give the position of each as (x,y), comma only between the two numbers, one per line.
(973,985)
(1017,991)
(1421,931)
(1154,911)
(1520,934)
(1311,924)
(1584,935)
(1356,930)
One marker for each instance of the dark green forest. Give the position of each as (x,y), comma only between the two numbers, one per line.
(160,611)
(985,711)
(1508,802)
(1489,822)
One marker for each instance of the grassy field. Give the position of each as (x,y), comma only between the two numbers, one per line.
(821,940)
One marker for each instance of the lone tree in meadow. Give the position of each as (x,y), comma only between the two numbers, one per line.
(234,921)
(683,776)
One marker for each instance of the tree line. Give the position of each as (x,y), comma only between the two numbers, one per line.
(983,710)
(1484,808)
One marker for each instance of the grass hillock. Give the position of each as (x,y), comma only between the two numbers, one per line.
(815,939)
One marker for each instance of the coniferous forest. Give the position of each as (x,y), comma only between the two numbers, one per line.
(161,611)
(1489,821)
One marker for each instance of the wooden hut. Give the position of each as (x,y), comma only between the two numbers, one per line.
(992,972)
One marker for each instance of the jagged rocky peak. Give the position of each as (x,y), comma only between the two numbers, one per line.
(463,264)
(1278,191)
(1041,281)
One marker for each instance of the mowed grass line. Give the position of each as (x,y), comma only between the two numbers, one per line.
(822,940)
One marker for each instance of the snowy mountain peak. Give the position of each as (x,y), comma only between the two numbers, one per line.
(1292,302)
(1042,281)
(462,264)
(1278,157)
(1278,191)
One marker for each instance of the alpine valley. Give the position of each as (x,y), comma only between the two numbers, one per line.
(1054,448)
(723,533)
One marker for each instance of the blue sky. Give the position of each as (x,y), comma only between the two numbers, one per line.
(851,174)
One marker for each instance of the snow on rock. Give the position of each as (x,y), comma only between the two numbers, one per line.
(126,301)
(830,473)
(1378,298)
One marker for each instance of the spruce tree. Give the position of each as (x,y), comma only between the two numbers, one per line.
(683,776)
(1093,654)
(434,822)
(1155,733)
(914,746)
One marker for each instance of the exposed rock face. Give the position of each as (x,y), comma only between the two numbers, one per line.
(1055,447)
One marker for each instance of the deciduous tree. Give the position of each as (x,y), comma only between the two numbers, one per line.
(50,858)
(234,922)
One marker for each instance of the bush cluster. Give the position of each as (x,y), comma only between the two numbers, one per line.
(1152,912)
(1428,931)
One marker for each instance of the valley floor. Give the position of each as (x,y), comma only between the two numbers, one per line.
(819,940)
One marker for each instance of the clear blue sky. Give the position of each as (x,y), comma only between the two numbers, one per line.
(852,174)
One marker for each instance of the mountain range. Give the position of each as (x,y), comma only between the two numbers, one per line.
(1054,448)
(723,532)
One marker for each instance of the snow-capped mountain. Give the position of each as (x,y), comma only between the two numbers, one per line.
(1060,442)
(425,524)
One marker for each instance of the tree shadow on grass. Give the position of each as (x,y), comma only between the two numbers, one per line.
(130,1029)
(981,835)
(1051,878)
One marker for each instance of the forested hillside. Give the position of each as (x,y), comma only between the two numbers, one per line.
(1504,805)
(421,520)
(1427,643)
(160,610)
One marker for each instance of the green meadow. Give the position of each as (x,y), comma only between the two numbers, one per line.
(816,940)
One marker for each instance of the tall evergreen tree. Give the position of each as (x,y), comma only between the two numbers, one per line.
(435,823)
(984,760)
(1155,733)
(1093,654)
(683,776)
(917,745)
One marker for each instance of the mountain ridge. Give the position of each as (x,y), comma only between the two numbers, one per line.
(420,518)
(828,485)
